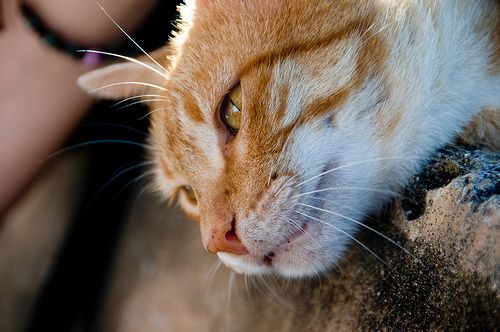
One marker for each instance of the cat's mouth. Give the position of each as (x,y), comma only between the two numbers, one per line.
(280,260)
(268,258)
(293,254)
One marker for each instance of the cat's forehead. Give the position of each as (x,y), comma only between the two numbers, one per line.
(234,36)
(273,47)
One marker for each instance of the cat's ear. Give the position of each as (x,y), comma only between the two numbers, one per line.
(142,76)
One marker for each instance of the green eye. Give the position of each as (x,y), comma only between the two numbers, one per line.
(188,190)
(230,111)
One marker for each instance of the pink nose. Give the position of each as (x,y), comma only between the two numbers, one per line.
(222,237)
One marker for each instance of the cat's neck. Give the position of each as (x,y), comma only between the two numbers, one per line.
(444,70)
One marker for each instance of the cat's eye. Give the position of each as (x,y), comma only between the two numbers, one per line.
(230,110)
(188,190)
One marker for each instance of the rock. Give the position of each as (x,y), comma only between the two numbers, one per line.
(443,276)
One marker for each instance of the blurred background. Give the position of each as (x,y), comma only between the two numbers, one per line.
(58,241)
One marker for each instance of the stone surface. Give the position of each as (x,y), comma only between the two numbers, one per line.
(448,219)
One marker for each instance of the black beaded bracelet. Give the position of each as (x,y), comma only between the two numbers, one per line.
(55,40)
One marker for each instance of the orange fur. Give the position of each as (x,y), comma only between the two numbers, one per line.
(324,83)
(484,130)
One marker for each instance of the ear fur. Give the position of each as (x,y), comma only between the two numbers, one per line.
(127,79)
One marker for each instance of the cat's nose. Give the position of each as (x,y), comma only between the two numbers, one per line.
(221,237)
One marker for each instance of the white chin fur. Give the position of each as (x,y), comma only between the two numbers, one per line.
(240,266)
(244,266)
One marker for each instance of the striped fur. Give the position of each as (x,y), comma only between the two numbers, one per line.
(372,88)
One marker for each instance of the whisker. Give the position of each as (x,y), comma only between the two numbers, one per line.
(363,225)
(345,188)
(245,277)
(136,97)
(153,111)
(134,181)
(257,286)
(294,176)
(131,83)
(140,102)
(128,59)
(283,186)
(77,146)
(298,174)
(229,293)
(139,195)
(274,294)
(364,215)
(346,234)
(115,125)
(142,163)
(213,271)
(357,211)
(349,165)
(131,39)
(297,226)
(113,178)
(376,32)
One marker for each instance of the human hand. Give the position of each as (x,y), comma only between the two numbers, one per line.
(40,102)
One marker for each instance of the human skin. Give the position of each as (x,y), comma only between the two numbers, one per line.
(40,102)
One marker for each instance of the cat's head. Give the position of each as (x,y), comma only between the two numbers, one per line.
(268,127)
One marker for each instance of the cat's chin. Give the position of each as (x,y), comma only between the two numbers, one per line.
(246,264)
(253,266)
(290,260)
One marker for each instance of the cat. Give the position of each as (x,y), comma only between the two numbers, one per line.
(279,125)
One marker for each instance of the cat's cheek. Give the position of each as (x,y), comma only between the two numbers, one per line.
(305,257)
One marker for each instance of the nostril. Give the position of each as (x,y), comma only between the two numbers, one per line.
(231,234)
(223,238)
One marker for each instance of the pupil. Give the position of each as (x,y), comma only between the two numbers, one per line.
(230,115)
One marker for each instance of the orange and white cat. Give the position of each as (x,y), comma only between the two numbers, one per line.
(280,124)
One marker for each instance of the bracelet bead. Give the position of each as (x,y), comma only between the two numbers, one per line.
(56,41)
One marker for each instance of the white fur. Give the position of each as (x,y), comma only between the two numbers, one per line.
(439,78)
(435,79)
